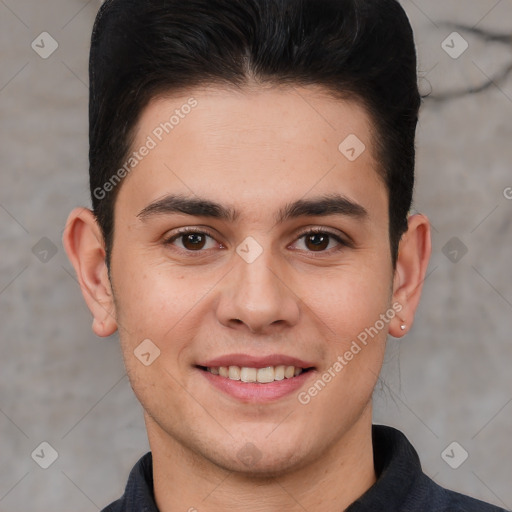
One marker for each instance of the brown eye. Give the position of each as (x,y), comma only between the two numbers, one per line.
(193,241)
(317,241)
(321,241)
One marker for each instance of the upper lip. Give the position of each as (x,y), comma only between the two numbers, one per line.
(249,361)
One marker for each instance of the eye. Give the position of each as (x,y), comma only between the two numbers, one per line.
(318,240)
(191,240)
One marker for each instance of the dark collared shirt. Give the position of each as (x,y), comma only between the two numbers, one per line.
(401,485)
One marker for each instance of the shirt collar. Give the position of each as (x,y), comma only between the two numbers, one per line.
(139,495)
(397,467)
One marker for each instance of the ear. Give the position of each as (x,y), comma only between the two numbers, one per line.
(412,262)
(85,248)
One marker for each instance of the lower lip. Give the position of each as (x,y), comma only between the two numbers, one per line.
(255,392)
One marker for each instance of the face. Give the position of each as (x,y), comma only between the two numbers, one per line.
(277,255)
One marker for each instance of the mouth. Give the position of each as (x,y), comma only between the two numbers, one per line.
(256,378)
(251,375)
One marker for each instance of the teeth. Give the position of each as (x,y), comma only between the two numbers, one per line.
(279,372)
(248,374)
(260,375)
(265,374)
(289,372)
(234,372)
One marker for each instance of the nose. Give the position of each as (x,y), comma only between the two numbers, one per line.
(258,296)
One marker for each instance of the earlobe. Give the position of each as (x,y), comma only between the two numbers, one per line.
(412,263)
(84,245)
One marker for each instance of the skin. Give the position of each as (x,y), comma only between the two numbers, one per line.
(254,150)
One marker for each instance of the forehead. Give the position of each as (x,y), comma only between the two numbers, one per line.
(258,111)
(254,145)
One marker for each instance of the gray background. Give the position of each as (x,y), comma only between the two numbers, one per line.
(448,380)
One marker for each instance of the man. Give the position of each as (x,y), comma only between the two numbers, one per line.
(251,172)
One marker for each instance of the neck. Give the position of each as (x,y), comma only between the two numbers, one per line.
(185,480)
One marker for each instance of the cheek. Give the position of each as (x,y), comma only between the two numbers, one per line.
(150,303)
(350,304)
(164,303)
(349,300)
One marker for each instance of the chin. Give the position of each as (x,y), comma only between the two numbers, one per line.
(277,467)
(268,462)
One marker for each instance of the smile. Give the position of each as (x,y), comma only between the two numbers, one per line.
(258,375)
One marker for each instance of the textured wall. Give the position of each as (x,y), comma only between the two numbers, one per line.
(448,380)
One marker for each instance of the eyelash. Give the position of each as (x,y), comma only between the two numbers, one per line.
(311,231)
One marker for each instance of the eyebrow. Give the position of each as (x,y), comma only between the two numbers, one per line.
(331,204)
